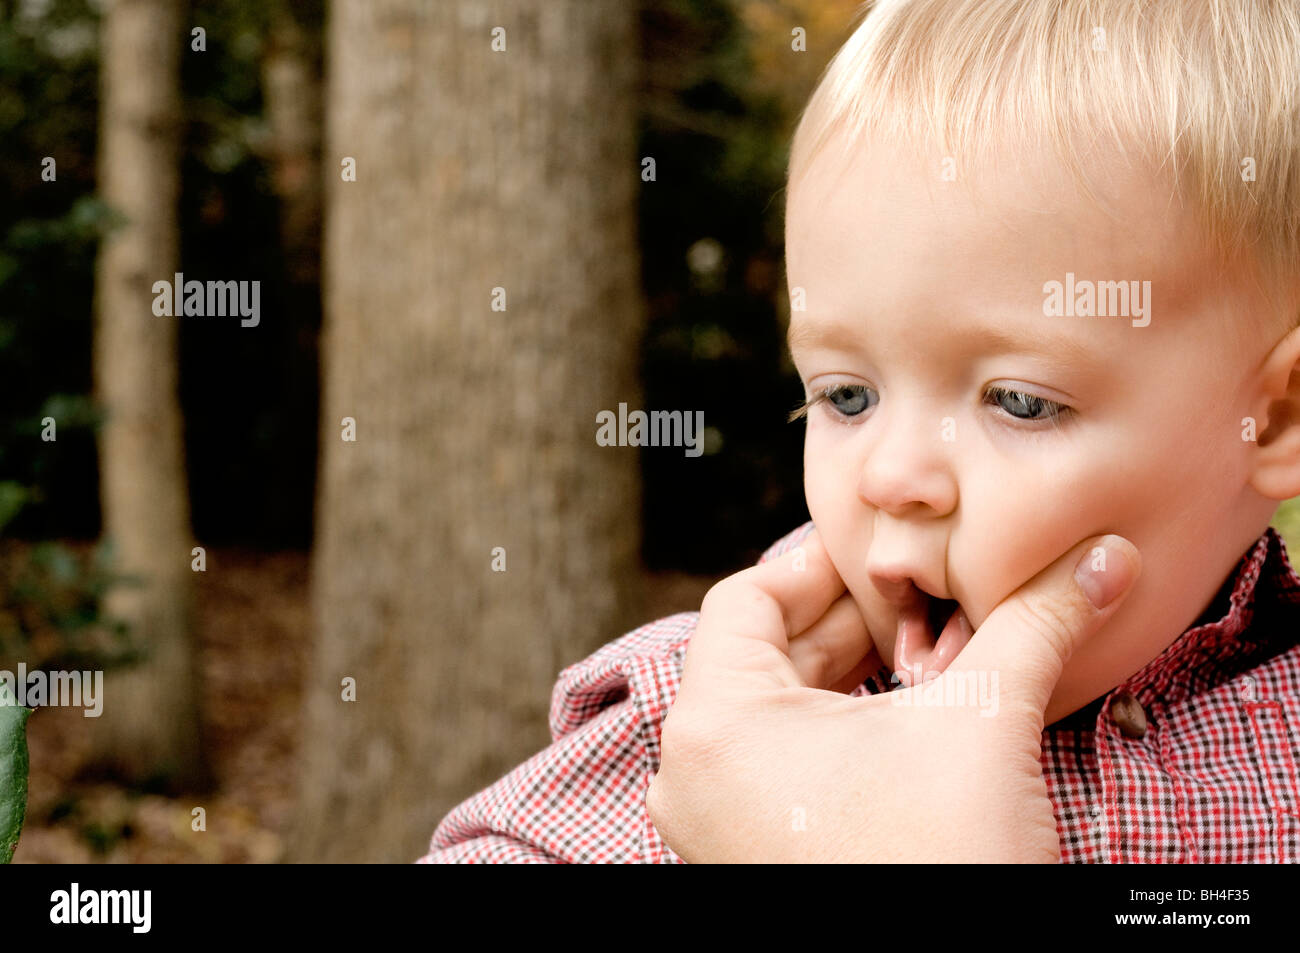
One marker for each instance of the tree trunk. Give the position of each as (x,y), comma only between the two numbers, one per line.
(475,428)
(150,723)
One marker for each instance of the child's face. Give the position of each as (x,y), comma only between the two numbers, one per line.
(925,296)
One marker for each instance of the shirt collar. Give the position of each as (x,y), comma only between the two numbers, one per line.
(1223,642)
(1240,629)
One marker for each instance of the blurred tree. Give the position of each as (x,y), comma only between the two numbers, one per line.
(150,727)
(495,162)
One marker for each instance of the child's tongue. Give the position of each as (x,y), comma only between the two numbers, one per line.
(917,658)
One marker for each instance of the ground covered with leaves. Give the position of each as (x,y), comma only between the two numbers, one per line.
(253,621)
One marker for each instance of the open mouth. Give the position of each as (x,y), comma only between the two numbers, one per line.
(939,611)
(931,632)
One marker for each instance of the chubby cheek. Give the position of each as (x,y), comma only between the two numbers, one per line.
(1017,514)
(994,550)
(1007,538)
(830,489)
(1000,537)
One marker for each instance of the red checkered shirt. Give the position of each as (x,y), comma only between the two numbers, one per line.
(1212,780)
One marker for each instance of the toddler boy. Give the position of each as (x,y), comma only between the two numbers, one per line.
(1045,284)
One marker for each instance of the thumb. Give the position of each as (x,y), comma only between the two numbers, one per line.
(1030,635)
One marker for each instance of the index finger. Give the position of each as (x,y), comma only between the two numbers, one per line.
(773,601)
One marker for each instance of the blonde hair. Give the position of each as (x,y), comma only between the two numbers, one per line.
(1203,90)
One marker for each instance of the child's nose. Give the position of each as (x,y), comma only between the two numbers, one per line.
(908,464)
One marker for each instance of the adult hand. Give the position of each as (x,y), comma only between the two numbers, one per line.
(764,758)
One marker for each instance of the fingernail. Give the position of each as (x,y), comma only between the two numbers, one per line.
(1105,571)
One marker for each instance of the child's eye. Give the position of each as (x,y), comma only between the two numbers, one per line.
(849,400)
(852,399)
(1024,406)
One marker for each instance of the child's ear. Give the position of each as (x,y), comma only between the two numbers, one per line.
(1276,472)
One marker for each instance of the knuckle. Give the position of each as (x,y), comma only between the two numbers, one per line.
(720,593)
(684,750)
(654,802)
(659,807)
(737,595)
(693,743)
(716,594)
(815,663)
(680,735)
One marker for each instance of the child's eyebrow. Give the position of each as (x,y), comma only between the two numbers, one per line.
(1061,349)
(829,334)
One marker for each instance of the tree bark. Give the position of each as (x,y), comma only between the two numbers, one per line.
(475,428)
(149,728)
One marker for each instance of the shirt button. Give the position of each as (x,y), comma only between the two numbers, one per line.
(1128,714)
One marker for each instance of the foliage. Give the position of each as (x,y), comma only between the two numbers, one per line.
(51,614)
(49,594)
(48,236)
(1287,522)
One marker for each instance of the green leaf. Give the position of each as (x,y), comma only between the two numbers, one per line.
(71,410)
(8,267)
(12,497)
(13,770)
